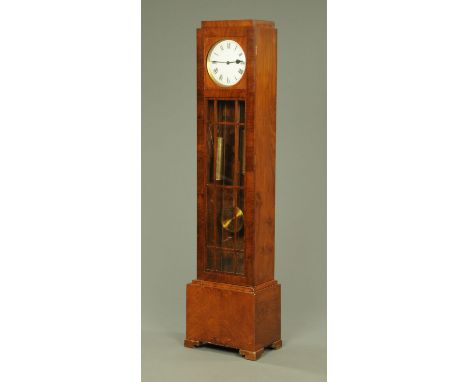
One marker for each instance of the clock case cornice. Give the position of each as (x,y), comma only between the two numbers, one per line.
(238,23)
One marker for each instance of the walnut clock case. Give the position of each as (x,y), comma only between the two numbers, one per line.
(235,300)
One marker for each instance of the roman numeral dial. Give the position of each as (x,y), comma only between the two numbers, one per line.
(226,63)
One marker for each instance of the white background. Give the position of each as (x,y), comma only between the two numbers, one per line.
(70,190)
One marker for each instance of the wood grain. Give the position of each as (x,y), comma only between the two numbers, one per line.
(265,144)
(245,318)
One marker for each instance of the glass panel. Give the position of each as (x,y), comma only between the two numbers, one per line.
(241,155)
(210,259)
(226,111)
(210,215)
(210,115)
(226,137)
(226,261)
(218,230)
(239,224)
(225,154)
(239,263)
(226,216)
(241,112)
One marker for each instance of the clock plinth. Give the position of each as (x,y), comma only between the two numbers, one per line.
(235,300)
(240,317)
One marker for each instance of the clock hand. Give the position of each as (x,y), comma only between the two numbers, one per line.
(227,62)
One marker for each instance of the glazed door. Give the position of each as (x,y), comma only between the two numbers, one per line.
(225,149)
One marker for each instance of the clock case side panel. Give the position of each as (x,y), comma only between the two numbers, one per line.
(201,157)
(203,93)
(265,153)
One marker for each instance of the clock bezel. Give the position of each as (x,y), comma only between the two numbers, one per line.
(208,69)
(209,42)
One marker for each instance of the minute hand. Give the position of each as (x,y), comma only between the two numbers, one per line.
(227,62)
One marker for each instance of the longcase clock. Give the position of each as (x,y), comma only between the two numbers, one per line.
(235,300)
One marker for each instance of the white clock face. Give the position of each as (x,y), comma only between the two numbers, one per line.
(226,63)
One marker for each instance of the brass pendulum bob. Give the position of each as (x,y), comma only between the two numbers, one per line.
(232,219)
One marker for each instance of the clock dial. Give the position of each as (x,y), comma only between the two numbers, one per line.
(226,62)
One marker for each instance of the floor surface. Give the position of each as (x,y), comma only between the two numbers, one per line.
(165,359)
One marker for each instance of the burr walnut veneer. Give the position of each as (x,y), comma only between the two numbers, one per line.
(235,300)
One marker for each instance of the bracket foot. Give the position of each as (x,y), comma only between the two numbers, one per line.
(191,343)
(251,355)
